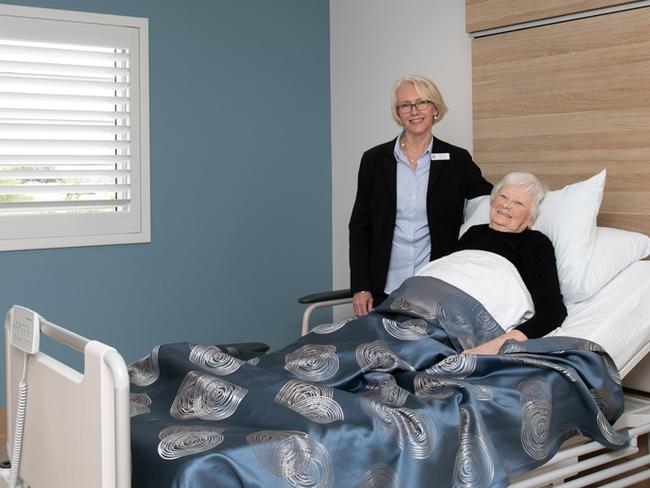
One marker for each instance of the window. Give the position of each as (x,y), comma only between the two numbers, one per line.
(74,135)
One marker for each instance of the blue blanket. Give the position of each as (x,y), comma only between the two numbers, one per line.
(384,400)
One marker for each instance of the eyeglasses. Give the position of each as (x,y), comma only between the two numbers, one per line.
(406,107)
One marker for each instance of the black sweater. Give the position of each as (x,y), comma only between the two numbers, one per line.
(533,255)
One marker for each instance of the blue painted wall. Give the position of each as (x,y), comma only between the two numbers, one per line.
(240,185)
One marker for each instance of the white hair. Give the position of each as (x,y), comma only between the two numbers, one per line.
(526,182)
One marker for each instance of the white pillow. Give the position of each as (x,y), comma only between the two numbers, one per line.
(476,212)
(614,250)
(568,217)
(475,272)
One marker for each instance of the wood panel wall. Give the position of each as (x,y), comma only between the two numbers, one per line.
(489,14)
(566,100)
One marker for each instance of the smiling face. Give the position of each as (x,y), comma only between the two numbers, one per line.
(416,122)
(511,210)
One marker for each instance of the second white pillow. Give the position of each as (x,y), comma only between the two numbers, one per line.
(568,218)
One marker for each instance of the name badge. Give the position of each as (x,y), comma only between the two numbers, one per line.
(439,156)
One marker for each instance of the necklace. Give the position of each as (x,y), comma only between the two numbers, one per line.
(405,151)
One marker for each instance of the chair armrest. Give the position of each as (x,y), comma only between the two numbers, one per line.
(325,296)
(246,350)
(319,300)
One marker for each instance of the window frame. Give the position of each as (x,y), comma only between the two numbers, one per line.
(56,231)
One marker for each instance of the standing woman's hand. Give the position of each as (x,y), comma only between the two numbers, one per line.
(362,303)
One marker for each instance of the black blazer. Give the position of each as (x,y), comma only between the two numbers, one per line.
(373,216)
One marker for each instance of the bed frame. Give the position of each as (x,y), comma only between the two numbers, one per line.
(81,421)
(77,420)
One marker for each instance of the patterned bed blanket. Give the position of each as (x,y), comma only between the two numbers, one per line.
(386,400)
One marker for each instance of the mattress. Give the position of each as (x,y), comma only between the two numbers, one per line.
(617,317)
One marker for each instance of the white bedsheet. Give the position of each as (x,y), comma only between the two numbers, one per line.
(617,317)
(476,272)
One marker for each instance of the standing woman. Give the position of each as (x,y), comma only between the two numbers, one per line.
(410,197)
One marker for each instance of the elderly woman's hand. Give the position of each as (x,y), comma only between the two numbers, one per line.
(492,347)
(362,303)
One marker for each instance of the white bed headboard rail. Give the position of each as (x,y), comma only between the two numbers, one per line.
(75,420)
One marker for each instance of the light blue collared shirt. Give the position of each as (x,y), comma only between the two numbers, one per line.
(411,240)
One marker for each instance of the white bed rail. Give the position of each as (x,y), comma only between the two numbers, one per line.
(563,468)
(97,448)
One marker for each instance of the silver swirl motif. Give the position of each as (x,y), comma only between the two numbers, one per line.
(253,361)
(612,436)
(453,321)
(282,452)
(569,372)
(386,392)
(313,362)
(380,476)
(601,400)
(377,356)
(329,328)
(409,330)
(512,347)
(139,404)
(467,320)
(145,371)
(179,441)
(586,345)
(435,388)
(536,406)
(206,397)
(479,392)
(293,456)
(402,305)
(438,388)
(310,400)
(484,322)
(213,359)
(416,432)
(419,324)
(473,466)
(319,473)
(612,369)
(454,366)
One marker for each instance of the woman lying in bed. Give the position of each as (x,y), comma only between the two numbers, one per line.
(514,205)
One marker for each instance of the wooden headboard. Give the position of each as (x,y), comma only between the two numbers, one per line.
(566,100)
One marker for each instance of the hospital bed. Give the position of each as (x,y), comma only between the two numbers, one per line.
(76,426)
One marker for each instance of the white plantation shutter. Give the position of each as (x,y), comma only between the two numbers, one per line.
(73,129)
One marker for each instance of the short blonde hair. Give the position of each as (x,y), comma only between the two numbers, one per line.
(426,90)
(526,182)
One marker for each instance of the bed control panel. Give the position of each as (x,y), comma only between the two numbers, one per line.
(25,330)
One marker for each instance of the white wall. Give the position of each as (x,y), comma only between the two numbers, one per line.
(374,43)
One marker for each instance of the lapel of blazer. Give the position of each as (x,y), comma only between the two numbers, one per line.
(390,170)
(434,170)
